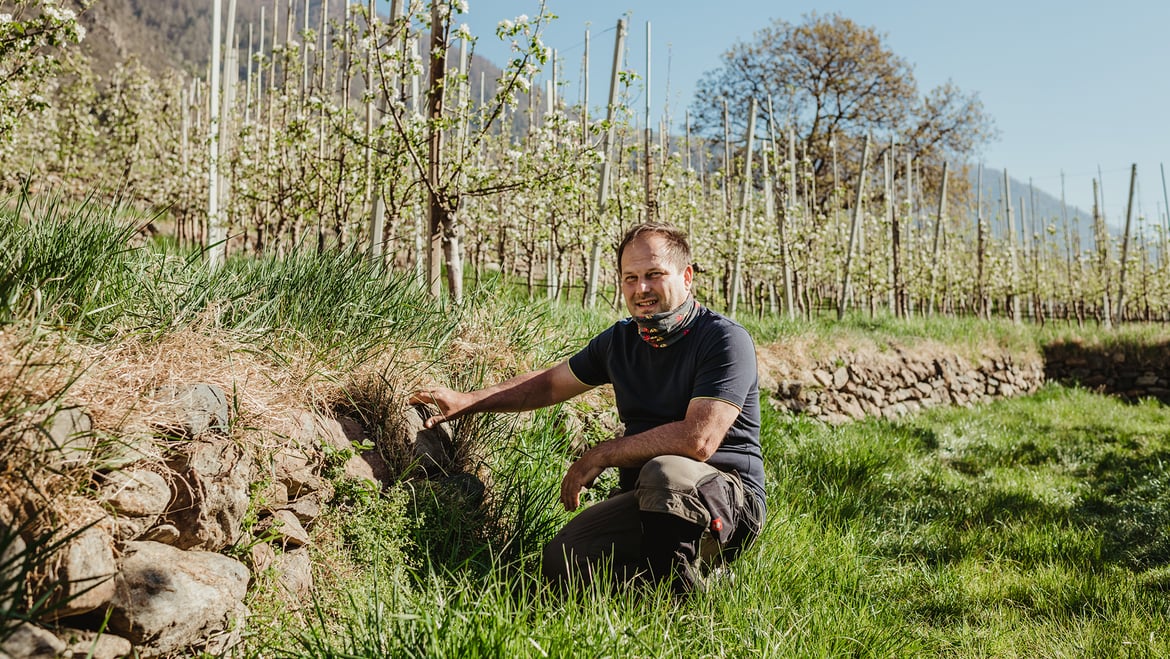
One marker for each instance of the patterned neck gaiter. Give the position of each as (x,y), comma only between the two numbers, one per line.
(663,329)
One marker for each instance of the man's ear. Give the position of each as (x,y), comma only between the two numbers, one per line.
(689,276)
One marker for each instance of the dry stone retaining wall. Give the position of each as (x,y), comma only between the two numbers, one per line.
(157,548)
(1129,371)
(899,381)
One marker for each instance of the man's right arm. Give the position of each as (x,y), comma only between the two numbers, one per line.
(521,393)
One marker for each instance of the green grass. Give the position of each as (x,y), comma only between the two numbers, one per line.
(1035,526)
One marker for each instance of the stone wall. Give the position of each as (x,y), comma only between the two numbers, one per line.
(181,517)
(891,383)
(1129,371)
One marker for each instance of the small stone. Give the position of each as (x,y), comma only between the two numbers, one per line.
(135,493)
(90,644)
(31,642)
(840,378)
(167,534)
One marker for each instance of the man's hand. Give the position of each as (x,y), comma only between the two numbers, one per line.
(580,475)
(450,403)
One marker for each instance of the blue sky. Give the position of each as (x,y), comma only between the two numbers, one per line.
(1071,85)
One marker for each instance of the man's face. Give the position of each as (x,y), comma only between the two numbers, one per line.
(651,283)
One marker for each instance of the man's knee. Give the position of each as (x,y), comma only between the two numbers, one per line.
(674,472)
(555,561)
(667,484)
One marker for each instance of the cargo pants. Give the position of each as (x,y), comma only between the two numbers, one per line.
(682,518)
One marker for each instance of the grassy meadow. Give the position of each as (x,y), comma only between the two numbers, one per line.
(1031,527)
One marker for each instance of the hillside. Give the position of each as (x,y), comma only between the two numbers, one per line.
(1045,207)
(167,33)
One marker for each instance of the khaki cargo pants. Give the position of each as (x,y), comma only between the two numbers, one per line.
(611,538)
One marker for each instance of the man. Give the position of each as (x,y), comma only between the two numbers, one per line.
(691,469)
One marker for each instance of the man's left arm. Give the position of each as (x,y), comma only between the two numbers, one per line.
(697,436)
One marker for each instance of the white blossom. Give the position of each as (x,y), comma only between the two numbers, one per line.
(59,14)
(504,25)
(463,32)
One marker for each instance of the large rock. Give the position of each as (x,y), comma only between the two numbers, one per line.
(211,496)
(295,573)
(13,551)
(83,570)
(313,430)
(190,411)
(90,644)
(167,600)
(135,493)
(64,439)
(432,448)
(285,529)
(31,642)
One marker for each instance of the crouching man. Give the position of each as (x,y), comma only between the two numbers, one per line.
(691,469)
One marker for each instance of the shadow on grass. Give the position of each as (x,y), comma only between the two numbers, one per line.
(1035,489)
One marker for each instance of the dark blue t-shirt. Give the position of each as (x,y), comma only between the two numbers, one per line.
(654,386)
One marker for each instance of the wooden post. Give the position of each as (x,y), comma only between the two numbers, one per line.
(745,208)
(214,249)
(1165,246)
(842,294)
(792,208)
(1012,302)
(584,93)
(1120,315)
(648,159)
(248,79)
(368,151)
(259,65)
(981,251)
(375,200)
(896,244)
(938,230)
(436,213)
(783,219)
(603,184)
(769,206)
(1101,235)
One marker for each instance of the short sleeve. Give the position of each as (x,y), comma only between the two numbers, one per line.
(590,365)
(727,367)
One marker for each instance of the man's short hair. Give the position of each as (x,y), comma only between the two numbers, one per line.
(678,249)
